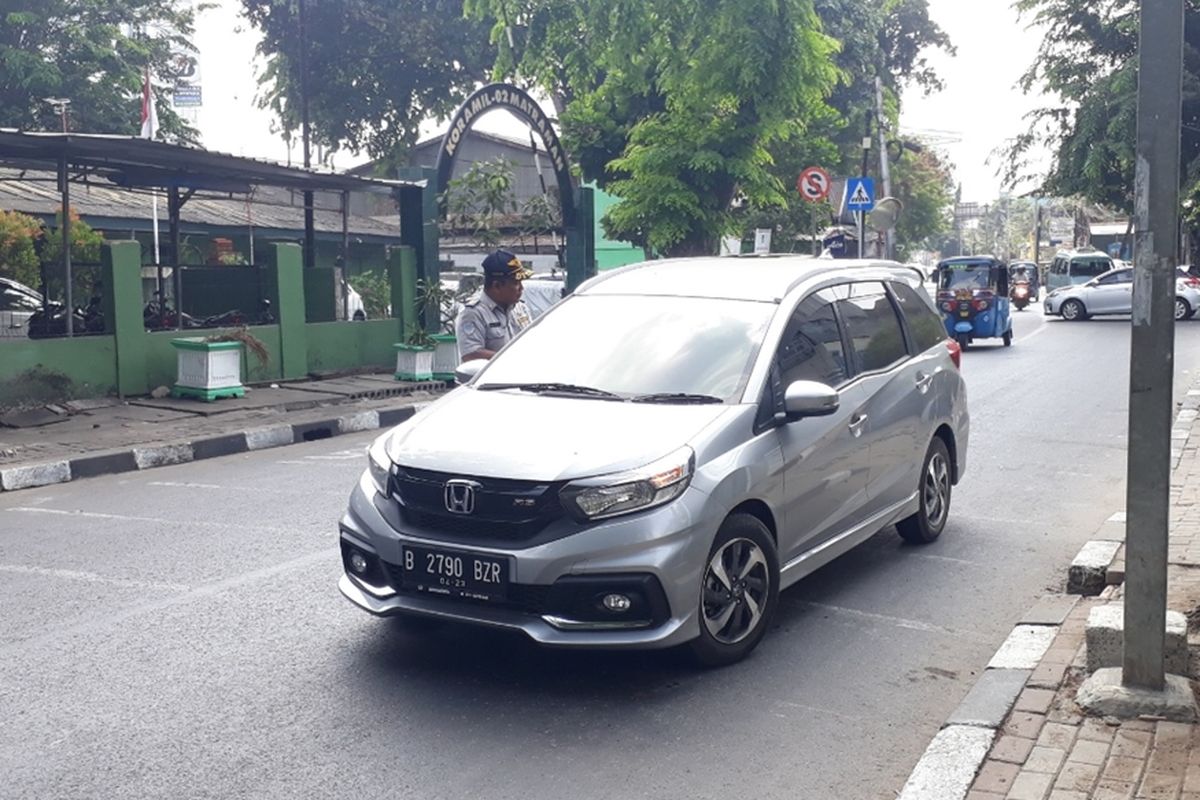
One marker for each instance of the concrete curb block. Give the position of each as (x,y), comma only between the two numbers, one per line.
(268,437)
(164,455)
(1088,573)
(948,767)
(93,465)
(33,475)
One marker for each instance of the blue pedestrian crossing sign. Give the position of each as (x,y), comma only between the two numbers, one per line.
(860,194)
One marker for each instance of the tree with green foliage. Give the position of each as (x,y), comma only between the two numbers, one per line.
(671,105)
(1088,63)
(377,68)
(85,50)
(18,252)
(889,40)
(921,180)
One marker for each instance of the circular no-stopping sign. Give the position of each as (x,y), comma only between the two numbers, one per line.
(814,184)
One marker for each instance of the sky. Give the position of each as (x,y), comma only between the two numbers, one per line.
(981,106)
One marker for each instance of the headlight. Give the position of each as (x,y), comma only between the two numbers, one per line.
(626,492)
(378,463)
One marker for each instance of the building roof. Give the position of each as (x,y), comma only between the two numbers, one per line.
(135,162)
(269,208)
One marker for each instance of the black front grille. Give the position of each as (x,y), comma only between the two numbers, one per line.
(525,597)
(504,510)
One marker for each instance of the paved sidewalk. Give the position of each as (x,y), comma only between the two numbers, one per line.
(1022,713)
(86,438)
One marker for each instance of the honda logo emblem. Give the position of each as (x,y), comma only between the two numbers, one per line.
(460,496)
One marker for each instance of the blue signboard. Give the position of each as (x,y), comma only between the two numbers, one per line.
(860,194)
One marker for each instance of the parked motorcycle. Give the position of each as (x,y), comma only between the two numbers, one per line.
(1020,295)
(51,321)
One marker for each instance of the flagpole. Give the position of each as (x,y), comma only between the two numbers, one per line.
(155,219)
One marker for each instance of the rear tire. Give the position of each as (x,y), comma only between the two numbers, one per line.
(933,492)
(1008,338)
(1182,309)
(1073,311)
(739,590)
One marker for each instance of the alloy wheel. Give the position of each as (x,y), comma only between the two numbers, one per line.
(1181,309)
(936,489)
(737,585)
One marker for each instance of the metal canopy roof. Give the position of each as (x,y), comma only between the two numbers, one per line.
(135,162)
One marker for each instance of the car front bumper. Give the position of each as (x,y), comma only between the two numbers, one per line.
(670,543)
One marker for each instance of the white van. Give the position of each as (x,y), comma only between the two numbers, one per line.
(1071,267)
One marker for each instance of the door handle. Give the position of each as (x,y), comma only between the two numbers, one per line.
(923,382)
(856,425)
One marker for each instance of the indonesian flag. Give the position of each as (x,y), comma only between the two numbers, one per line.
(149,112)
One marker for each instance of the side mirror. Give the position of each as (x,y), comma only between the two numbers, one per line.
(467,370)
(809,399)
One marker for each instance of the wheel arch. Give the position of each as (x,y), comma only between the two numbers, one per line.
(947,436)
(760,511)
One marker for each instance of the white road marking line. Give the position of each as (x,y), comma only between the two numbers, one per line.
(89,627)
(172,523)
(899,622)
(91,577)
(1036,332)
(947,559)
(185,485)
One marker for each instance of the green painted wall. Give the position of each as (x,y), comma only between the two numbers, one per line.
(48,370)
(334,346)
(611,254)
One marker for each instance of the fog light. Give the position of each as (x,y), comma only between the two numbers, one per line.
(358,563)
(617,602)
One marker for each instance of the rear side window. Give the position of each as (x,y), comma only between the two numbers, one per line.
(1090,267)
(811,347)
(924,324)
(872,327)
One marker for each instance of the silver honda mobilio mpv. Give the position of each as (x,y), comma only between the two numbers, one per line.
(653,460)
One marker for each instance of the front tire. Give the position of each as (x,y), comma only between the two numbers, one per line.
(934,493)
(964,340)
(1073,311)
(739,591)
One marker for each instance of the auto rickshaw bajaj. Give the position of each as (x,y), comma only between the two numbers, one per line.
(973,298)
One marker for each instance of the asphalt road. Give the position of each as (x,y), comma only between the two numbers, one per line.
(178,633)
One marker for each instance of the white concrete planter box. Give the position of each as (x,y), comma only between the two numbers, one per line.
(207,370)
(414,362)
(445,356)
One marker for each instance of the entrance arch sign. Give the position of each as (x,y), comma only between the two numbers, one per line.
(518,102)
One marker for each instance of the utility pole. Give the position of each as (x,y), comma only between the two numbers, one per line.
(309,238)
(1152,351)
(884,167)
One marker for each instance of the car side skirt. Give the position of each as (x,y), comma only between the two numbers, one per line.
(810,561)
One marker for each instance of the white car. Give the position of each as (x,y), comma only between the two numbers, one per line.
(1112,293)
(18,303)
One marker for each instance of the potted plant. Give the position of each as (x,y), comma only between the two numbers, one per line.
(445,356)
(210,367)
(425,357)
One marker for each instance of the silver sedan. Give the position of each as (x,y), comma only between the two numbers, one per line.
(1112,293)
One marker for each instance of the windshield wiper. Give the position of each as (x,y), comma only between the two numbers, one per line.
(556,388)
(677,397)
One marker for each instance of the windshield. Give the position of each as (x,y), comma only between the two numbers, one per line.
(954,277)
(637,346)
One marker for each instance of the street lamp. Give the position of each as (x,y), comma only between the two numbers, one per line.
(59,104)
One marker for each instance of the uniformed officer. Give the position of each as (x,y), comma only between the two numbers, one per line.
(496,314)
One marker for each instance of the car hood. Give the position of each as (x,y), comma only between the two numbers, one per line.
(524,436)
